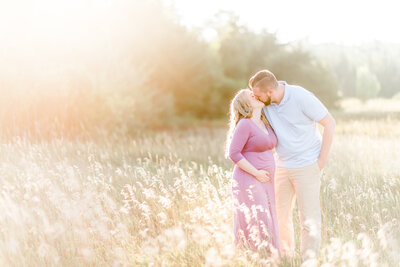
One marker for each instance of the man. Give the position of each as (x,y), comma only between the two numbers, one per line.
(293,113)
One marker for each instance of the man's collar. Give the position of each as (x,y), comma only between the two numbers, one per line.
(285,94)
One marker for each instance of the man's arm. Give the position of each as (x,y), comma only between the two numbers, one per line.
(328,122)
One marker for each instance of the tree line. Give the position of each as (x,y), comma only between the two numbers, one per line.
(143,68)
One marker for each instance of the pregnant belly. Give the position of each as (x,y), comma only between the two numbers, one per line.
(260,160)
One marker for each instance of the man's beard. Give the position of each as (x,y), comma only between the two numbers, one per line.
(267,102)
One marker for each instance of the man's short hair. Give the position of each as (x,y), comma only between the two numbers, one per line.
(263,79)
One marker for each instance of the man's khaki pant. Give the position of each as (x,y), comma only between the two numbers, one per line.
(303,184)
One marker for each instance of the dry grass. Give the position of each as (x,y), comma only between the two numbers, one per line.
(165,200)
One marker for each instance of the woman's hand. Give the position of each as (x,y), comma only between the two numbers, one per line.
(262,176)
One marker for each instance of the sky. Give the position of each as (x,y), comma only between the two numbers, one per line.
(341,21)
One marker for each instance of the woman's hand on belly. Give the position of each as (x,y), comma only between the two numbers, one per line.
(262,176)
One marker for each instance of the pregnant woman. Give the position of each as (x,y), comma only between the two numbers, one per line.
(249,146)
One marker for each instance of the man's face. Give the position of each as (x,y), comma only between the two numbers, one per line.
(262,95)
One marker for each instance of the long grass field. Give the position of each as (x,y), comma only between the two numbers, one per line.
(164,199)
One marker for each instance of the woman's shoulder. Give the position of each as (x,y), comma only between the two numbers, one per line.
(243,124)
(244,121)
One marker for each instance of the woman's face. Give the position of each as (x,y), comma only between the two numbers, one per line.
(253,100)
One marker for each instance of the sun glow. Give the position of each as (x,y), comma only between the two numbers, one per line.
(52,30)
(51,49)
(339,21)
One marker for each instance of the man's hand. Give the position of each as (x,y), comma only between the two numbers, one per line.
(328,122)
(321,164)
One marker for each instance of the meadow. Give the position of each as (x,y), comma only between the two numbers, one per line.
(163,198)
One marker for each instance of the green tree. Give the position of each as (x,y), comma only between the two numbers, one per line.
(242,52)
(367,85)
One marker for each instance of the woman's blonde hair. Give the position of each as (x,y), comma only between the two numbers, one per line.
(240,108)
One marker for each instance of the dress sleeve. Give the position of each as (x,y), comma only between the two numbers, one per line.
(239,139)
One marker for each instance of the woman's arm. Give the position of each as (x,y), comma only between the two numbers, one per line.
(261,175)
(239,140)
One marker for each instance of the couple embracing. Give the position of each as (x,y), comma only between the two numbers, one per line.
(275,115)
